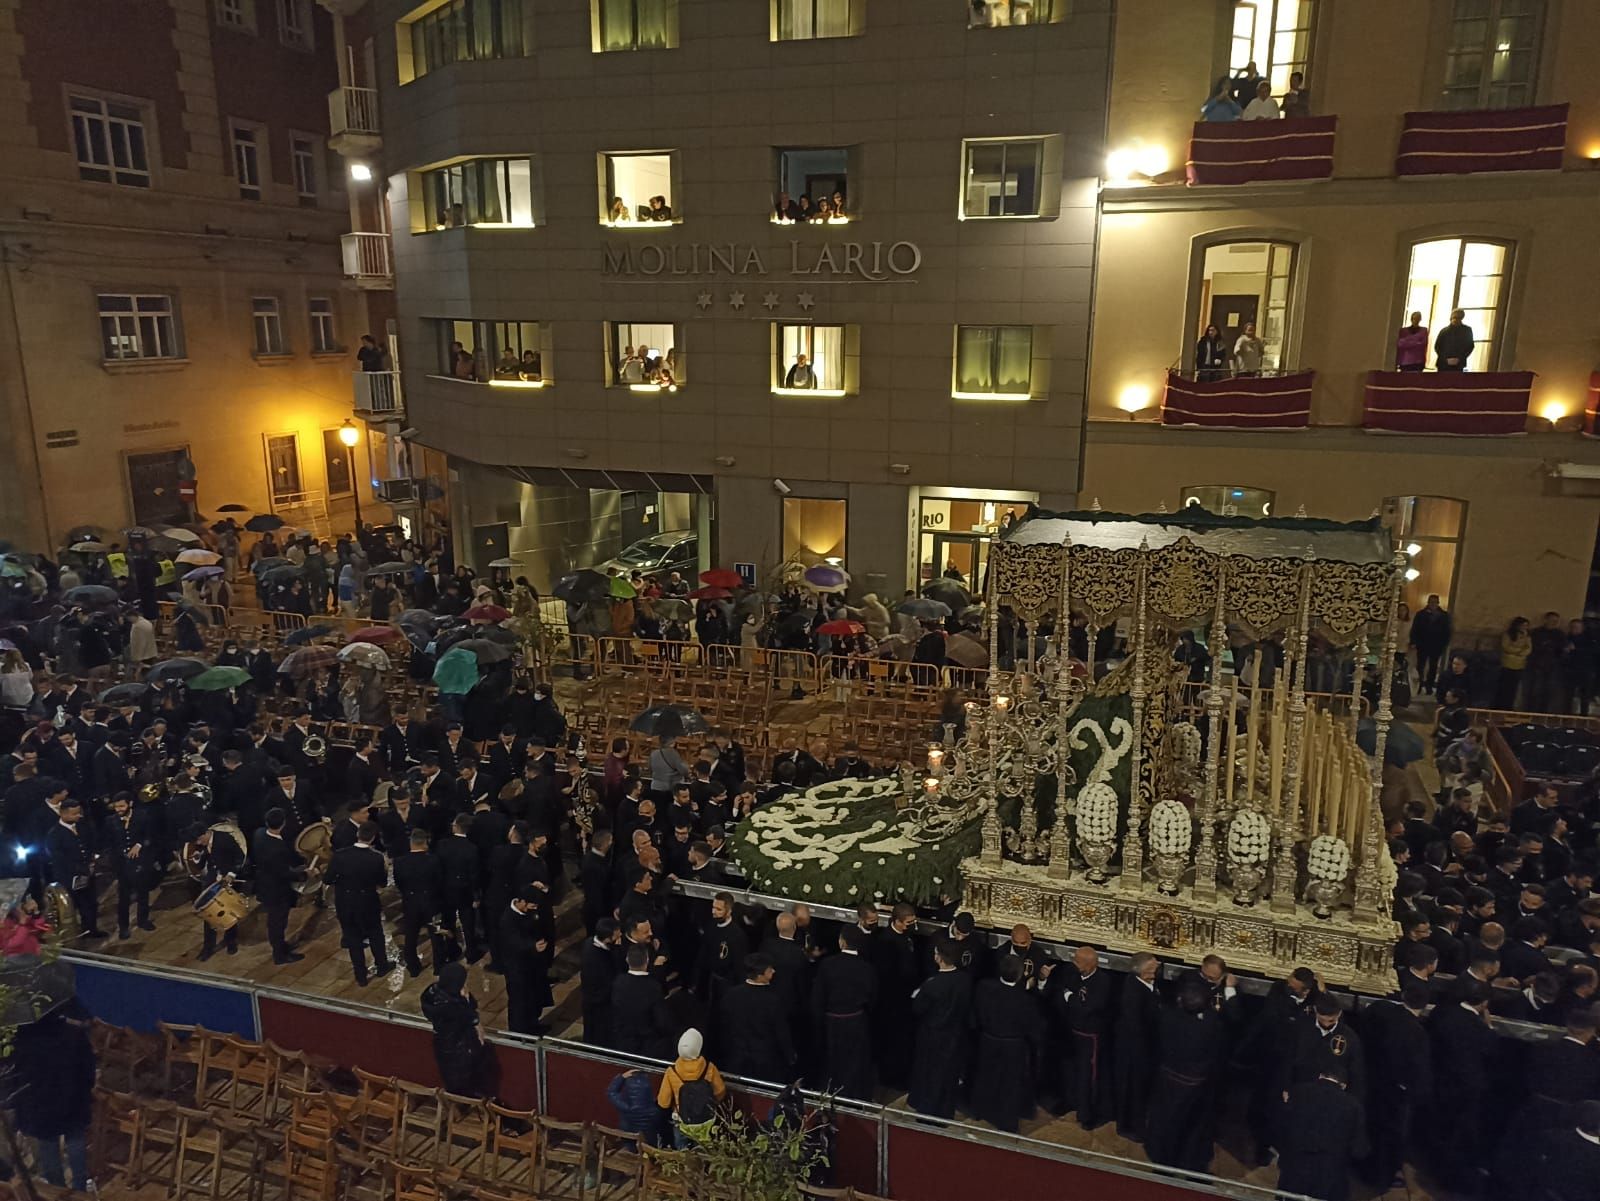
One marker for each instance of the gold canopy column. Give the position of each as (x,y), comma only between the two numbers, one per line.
(1287,818)
(1060,836)
(989,848)
(1205,860)
(1132,839)
(1370,903)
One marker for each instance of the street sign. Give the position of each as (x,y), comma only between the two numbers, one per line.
(747,573)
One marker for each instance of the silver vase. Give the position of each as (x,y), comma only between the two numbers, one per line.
(1323,894)
(1247,878)
(1096,855)
(1169,871)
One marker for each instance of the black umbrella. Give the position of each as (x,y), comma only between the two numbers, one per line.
(277,577)
(582,586)
(484,650)
(947,592)
(448,636)
(138,531)
(92,596)
(389,569)
(176,669)
(84,533)
(668,721)
(233,508)
(421,618)
(269,563)
(498,634)
(222,527)
(162,545)
(124,694)
(306,633)
(264,523)
(924,609)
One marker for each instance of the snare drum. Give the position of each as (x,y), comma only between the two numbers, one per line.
(221,907)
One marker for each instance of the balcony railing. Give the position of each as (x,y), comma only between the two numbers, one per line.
(353,112)
(1467,143)
(1464,403)
(1259,402)
(367,258)
(1235,152)
(378,393)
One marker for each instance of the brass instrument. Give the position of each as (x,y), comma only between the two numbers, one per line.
(315,845)
(61,912)
(151,791)
(194,854)
(315,748)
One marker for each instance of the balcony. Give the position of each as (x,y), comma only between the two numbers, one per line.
(1469,143)
(378,395)
(1235,152)
(353,127)
(1462,403)
(1241,402)
(367,261)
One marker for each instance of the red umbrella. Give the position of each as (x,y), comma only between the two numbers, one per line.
(841,628)
(379,634)
(710,594)
(721,577)
(486,613)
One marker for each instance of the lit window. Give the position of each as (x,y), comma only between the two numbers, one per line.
(294,23)
(802,20)
(1492,57)
(138,327)
(303,155)
(236,14)
(814,530)
(1244,292)
(994,361)
(1458,273)
(1430,530)
(1228,500)
(638,188)
(644,356)
(812,183)
(636,24)
(1275,35)
(502,353)
(268,322)
(480,191)
(110,142)
(1003,178)
(324,339)
(810,359)
(461,31)
(993,14)
(247,162)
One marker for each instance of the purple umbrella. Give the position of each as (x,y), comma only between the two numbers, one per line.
(202,573)
(824,577)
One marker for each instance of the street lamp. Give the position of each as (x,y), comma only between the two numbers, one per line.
(350,435)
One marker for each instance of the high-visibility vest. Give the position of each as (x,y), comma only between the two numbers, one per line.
(118,562)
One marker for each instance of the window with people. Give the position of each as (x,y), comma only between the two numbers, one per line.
(1456,291)
(1242,307)
(639,188)
(635,24)
(812,184)
(488,192)
(1492,57)
(811,359)
(803,20)
(1269,52)
(500,353)
(644,356)
(993,14)
(459,31)
(993,362)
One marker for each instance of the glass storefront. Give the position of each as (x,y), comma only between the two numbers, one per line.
(954,534)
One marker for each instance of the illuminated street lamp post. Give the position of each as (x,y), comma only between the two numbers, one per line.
(349,435)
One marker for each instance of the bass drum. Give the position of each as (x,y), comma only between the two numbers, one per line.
(315,846)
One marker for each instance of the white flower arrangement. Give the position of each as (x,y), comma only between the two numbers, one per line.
(1249,837)
(1097,813)
(1328,859)
(1171,829)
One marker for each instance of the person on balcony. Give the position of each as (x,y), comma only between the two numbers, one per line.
(1248,351)
(1222,106)
(1243,83)
(532,366)
(1454,344)
(1296,101)
(508,366)
(1411,346)
(1263,107)
(370,356)
(1210,356)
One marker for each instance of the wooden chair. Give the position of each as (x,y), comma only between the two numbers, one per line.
(421,1133)
(157,1148)
(411,1182)
(466,1133)
(618,1166)
(198,1171)
(116,1135)
(125,1056)
(666,1173)
(183,1053)
(379,1108)
(513,1144)
(561,1164)
(310,1163)
(240,1075)
(250,1150)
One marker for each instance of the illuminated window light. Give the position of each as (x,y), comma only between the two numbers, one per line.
(501,224)
(652,388)
(630,223)
(832,392)
(991,396)
(517,383)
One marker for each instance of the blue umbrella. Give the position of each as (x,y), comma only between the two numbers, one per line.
(202,573)
(306,633)
(456,672)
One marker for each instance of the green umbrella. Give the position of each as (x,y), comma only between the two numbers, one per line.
(456,671)
(219,679)
(621,588)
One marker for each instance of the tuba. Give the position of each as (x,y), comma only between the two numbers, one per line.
(315,845)
(315,748)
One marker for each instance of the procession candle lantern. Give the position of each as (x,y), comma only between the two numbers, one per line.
(1002,704)
(935,760)
(931,785)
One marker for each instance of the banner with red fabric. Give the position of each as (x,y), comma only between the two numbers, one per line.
(1469,403)
(1253,402)
(1512,139)
(1591,408)
(1230,152)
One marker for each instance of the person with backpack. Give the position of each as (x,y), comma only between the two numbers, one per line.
(691,1089)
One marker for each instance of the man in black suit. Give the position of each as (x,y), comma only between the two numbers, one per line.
(1566,1162)
(68,847)
(1400,1074)
(401,743)
(403,818)
(597,972)
(460,869)
(505,758)
(109,767)
(277,864)
(752,1027)
(594,878)
(1324,1131)
(361,774)
(1086,1004)
(942,1008)
(843,1000)
(640,1024)
(294,742)
(356,874)
(471,786)
(70,762)
(1523,956)
(524,947)
(419,880)
(346,832)
(295,797)
(241,788)
(125,838)
(223,863)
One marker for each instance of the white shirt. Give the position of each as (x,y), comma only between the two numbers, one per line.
(1261,109)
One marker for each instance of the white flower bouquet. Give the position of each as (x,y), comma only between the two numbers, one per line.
(1097,813)
(1328,859)
(1249,837)
(1171,829)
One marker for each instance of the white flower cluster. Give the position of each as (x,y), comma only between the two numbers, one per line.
(1249,837)
(1097,813)
(1328,859)
(801,829)
(1171,830)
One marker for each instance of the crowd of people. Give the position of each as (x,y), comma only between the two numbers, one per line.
(1245,95)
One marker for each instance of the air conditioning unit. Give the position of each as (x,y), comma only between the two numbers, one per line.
(397,492)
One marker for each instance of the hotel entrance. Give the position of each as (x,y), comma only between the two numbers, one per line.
(954,532)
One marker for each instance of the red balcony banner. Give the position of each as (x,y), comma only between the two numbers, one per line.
(1232,152)
(1261,402)
(1468,403)
(1512,139)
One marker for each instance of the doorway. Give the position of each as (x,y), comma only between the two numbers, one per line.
(1230,314)
(153,479)
(968,553)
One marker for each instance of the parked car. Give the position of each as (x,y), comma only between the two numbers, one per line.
(678,551)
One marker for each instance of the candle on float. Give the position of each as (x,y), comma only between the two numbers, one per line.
(1002,704)
(935,759)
